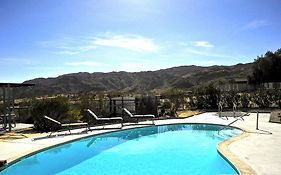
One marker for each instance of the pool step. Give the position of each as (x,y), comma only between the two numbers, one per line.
(224,134)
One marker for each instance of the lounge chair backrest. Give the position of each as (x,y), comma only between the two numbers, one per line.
(93,114)
(128,112)
(53,120)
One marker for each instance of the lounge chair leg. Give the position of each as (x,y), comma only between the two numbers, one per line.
(69,130)
(89,129)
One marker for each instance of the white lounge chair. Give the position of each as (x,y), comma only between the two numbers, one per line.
(139,116)
(104,120)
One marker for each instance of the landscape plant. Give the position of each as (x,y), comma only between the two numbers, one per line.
(267,68)
(244,100)
(262,98)
(206,97)
(230,98)
(56,108)
(176,98)
(276,97)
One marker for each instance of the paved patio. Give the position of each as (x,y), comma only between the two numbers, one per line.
(261,149)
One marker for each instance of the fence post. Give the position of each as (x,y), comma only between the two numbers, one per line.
(122,104)
(110,106)
(114,107)
(257,124)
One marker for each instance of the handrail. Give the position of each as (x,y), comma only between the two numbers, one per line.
(227,125)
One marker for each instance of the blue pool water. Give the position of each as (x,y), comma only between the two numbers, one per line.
(167,149)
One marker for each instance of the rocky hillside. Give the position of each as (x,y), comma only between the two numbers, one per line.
(176,77)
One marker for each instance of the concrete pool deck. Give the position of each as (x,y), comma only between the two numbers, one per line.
(260,150)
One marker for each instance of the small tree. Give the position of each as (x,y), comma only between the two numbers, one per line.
(267,68)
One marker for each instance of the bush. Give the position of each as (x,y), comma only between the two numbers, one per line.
(206,97)
(56,108)
(176,98)
(262,98)
(276,97)
(245,100)
(230,98)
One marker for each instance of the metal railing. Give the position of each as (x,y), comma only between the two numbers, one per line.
(226,126)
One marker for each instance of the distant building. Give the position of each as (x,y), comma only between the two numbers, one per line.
(237,84)
(242,85)
(272,85)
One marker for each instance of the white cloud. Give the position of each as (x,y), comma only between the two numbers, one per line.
(67,52)
(204,44)
(68,45)
(129,42)
(21,61)
(183,44)
(254,24)
(72,46)
(209,54)
(84,63)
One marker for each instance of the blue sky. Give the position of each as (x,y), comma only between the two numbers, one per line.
(48,38)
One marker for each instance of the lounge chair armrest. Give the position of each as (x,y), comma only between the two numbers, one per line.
(74,124)
(53,120)
(116,118)
(146,115)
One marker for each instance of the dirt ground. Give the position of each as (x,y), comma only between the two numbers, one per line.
(187,113)
(19,134)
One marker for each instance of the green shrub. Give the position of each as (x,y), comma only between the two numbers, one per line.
(245,100)
(262,98)
(206,97)
(75,114)
(276,97)
(56,108)
(176,98)
(231,97)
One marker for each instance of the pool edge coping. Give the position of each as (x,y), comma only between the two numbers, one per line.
(239,165)
(222,148)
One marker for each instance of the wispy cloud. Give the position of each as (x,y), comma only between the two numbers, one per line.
(130,42)
(204,44)
(76,45)
(208,54)
(22,61)
(254,24)
(84,63)
(69,45)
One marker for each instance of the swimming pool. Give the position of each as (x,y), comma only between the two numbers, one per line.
(166,149)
